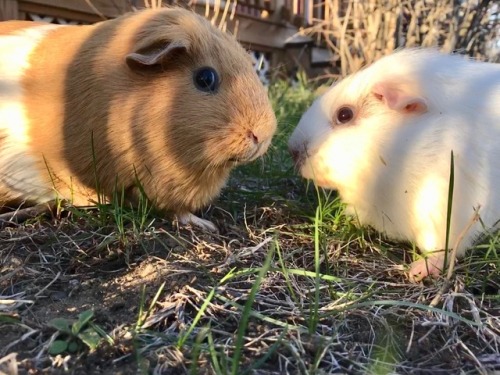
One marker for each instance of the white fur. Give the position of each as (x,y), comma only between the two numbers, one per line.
(19,172)
(392,168)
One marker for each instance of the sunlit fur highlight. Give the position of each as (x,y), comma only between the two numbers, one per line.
(18,175)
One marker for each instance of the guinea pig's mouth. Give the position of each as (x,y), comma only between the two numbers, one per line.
(256,152)
(299,156)
(244,159)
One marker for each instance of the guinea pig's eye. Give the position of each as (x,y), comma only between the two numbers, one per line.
(206,79)
(344,115)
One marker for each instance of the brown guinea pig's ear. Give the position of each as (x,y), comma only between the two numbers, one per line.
(153,58)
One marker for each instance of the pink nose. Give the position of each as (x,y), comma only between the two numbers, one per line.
(253,137)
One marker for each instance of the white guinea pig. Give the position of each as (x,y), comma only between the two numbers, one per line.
(158,96)
(383,138)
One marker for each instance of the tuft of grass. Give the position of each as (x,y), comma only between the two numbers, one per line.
(245,316)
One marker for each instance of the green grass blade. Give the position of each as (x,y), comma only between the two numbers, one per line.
(449,208)
(245,317)
(213,355)
(184,337)
(195,352)
(313,321)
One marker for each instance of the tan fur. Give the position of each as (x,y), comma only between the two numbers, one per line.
(84,104)
(9,27)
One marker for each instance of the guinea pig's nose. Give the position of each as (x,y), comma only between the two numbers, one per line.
(251,135)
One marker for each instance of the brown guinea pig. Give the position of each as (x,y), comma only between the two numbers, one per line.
(158,96)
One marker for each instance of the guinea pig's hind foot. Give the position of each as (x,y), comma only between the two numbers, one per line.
(189,218)
(432,265)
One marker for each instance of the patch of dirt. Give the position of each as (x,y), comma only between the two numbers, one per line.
(58,269)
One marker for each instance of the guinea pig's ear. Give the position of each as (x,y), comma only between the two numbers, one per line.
(399,97)
(153,58)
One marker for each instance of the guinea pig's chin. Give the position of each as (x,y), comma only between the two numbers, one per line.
(253,153)
(306,171)
(316,176)
(242,159)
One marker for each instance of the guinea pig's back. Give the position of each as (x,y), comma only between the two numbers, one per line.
(32,69)
(464,106)
(18,40)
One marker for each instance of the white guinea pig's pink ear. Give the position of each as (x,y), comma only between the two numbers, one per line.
(153,57)
(399,98)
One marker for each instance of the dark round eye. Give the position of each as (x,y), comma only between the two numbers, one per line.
(344,115)
(206,79)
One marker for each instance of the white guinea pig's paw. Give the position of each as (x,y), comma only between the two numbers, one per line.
(432,265)
(189,218)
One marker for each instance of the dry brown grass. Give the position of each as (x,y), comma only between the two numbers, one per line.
(360,32)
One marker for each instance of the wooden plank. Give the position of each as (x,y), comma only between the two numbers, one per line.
(256,33)
(8,10)
(25,8)
(101,8)
(262,33)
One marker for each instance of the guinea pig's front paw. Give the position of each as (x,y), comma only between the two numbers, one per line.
(189,218)
(432,265)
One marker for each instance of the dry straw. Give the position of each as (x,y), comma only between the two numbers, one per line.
(360,32)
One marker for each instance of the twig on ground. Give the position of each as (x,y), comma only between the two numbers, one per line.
(48,285)
(23,214)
